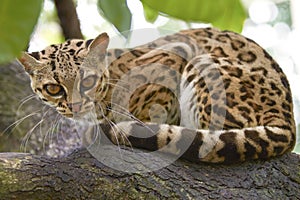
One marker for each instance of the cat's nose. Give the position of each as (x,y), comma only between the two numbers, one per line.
(75,107)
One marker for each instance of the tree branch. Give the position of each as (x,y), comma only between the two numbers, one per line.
(80,176)
(69,22)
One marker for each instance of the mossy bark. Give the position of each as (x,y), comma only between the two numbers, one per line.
(80,176)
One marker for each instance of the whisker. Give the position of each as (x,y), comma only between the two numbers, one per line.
(49,134)
(24,100)
(31,131)
(28,135)
(97,131)
(115,130)
(117,80)
(55,133)
(117,85)
(129,115)
(19,121)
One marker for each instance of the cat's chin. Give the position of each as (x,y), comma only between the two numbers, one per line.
(67,115)
(88,118)
(78,116)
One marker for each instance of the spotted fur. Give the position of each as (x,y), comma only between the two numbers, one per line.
(204,94)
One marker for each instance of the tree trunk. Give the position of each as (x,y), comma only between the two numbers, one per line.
(81,176)
(69,22)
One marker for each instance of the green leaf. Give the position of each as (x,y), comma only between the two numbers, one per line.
(225,14)
(117,13)
(150,14)
(17,21)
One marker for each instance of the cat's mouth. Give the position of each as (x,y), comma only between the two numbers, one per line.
(87,117)
(78,114)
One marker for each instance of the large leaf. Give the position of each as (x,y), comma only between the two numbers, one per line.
(117,13)
(150,14)
(17,21)
(225,14)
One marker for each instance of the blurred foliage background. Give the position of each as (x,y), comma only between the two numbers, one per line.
(33,24)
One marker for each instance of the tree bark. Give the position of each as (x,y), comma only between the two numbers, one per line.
(81,176)
(69,22)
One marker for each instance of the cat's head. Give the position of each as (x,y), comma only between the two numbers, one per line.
(69,76)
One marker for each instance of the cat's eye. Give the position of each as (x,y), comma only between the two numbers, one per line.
(88,82)
(53,89)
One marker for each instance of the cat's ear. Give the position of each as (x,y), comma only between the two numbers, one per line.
(29,62)
(96,56)
(100,43)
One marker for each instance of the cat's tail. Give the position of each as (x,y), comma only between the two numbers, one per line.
(218,146)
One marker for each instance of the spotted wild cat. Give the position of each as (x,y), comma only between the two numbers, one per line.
(217,89)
